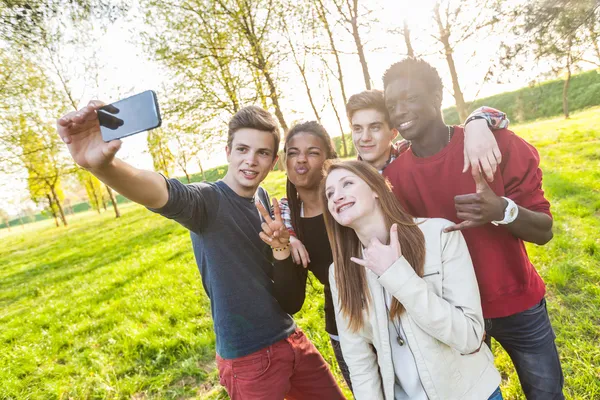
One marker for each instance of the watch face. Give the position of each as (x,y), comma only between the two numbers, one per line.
(513,212)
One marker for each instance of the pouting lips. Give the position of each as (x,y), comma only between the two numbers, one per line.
(405,125)
(343,207)
(301,170)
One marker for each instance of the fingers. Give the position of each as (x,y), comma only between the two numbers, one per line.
(265,238)
(466,161)
(494,166)
(475,167)
(459,227)
(497,154)
(467,198)
(480,183)
(112,147)
(304,257)
(358,261)
(265,214)
(486,167)
(96,104)
(276,210)
(295,256)
(394,237)
(266,229)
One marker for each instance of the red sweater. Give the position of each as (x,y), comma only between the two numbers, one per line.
(426,187)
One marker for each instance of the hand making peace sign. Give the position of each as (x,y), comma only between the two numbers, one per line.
(274,233)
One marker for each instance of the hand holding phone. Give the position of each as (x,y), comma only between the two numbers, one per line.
(129,116)
(82,130)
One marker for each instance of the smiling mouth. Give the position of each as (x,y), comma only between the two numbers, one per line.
(344,207)
(248,174)
(367,147)
(405,125)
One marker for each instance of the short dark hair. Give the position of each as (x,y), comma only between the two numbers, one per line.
(369,99)
(415,68)
(254,117)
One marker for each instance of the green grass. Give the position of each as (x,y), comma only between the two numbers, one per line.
(542,100)
(114,308)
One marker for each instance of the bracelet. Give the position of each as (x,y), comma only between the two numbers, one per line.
(280,248)
(474,117)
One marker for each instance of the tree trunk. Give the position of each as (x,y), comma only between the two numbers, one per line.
(113,200)
(187,176)
(565,95)
(275,100)
(409,49)
(359,46)
(60,209)
(340,76)
(445,40)
(201,170)
(51,208)
(96,203)
(337,115)
(103,198)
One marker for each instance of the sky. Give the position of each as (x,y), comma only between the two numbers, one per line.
(126,69)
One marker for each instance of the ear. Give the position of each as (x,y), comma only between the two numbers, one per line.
(274,162)
(437,98)
(228,153)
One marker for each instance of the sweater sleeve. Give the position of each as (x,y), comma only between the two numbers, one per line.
(522,175)
(454,318)
(289,281)
(358,354)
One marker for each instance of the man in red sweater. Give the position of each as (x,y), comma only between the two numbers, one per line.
(496,218)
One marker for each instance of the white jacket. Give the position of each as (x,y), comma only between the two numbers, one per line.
(443,324)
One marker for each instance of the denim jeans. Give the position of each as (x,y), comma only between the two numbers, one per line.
(528,339)
(497,395)
(337,350)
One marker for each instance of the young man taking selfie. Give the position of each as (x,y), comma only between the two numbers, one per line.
(261,354)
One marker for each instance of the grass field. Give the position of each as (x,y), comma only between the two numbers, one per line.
(114,309)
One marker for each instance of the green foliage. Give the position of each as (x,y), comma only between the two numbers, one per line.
(115,308)
(337,143)
(162,156)
(540,101)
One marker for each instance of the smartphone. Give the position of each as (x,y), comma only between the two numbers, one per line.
(129,116)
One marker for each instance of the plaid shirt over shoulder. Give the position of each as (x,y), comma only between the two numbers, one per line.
(286,215)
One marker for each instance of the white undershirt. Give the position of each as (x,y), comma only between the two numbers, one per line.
(407,384)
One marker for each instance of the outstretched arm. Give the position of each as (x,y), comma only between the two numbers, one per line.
(80,130)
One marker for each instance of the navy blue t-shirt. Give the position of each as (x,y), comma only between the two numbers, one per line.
(235,265)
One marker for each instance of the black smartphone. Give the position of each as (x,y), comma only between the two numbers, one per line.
(129,116)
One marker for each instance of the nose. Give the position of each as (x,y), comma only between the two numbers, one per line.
(338,197)
(366,136)
(399,112)
(251,158)
(301,158)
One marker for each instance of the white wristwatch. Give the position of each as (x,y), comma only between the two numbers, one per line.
(511,212)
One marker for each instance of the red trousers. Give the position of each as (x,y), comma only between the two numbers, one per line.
(292,368)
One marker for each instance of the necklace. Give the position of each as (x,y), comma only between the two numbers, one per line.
(449,133)
(399,337)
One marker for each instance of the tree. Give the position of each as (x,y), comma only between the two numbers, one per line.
(4,217)
(93,188)
(158,147)
(558,31)
(27,131)
(349,12)
(457,22)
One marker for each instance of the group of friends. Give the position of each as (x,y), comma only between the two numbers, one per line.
(422,262)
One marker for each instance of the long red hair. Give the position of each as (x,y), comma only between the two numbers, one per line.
(350,278)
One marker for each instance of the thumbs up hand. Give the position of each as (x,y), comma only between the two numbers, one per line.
(478,208)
